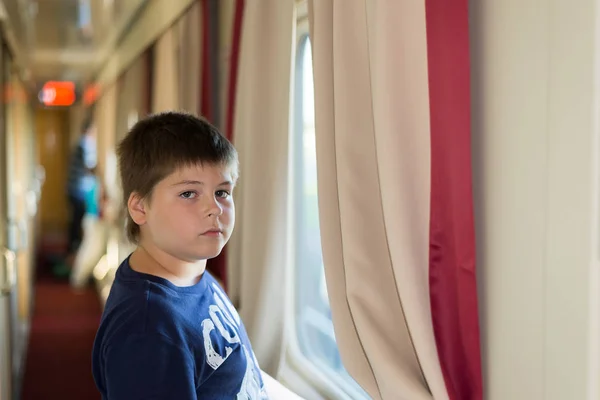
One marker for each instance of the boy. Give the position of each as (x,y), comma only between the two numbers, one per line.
(168,330)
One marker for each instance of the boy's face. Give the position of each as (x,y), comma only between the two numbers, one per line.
(190,214)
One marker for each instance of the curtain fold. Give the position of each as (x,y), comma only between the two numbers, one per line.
(132,89)
(165,88)
(105,115)
(258,249)
(190,41)
(208,85)
(382,181)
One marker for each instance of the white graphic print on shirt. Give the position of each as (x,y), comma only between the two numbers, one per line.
(224,313)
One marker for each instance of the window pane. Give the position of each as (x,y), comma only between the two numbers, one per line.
(314,326)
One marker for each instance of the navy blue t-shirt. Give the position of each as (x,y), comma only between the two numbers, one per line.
(160,341)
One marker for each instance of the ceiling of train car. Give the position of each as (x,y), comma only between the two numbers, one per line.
(68,39)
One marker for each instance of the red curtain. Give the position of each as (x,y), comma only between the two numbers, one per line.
(452,277)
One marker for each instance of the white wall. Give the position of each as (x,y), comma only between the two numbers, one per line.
(535,151)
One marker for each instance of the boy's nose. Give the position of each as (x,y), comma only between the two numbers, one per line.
(214,209)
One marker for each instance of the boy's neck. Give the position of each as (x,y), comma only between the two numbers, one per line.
(153,261)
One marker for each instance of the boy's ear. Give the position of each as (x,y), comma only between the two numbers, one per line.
(137,208)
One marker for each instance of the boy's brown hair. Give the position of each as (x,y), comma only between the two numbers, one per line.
(159,144)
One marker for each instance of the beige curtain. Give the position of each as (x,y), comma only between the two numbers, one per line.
(373,153)
(131,104)
(258,250)
(226,26)
(105,115)
(190,68)
(131,96)
(165,88)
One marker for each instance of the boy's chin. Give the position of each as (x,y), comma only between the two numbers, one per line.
(207,254)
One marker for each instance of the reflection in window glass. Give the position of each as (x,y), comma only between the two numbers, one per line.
(313,313)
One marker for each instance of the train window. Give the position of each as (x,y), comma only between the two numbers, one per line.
(314,327)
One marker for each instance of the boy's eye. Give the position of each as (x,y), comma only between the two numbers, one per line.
(188,195)
(222,193)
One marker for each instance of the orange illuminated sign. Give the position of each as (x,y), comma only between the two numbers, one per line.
(56,94)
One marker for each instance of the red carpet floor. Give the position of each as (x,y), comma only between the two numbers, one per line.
(63,327)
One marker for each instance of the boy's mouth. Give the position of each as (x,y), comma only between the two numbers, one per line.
(213,232)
